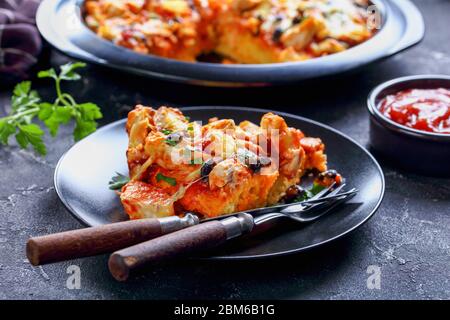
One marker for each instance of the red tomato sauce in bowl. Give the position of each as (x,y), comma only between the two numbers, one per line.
(421,109)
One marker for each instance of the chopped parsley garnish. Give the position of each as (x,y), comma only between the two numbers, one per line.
(309,193)
(118,181)
(169,180)
(173,139)
(166,131)
(171,143)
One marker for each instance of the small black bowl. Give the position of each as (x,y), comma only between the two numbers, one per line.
(414,150)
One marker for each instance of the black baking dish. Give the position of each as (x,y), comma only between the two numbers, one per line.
(61,23)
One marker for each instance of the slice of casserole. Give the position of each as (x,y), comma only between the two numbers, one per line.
(213,169)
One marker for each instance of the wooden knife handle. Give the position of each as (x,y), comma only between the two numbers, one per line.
(102,239)
(177,244)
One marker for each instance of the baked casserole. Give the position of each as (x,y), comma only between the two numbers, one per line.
(238,31)
(177,165)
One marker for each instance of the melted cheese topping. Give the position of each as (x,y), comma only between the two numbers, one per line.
(241,31)
(167,155)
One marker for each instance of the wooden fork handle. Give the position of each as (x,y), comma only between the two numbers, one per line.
(177,244)
(102,239)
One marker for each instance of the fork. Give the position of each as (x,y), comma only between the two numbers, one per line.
(323,202)
(213,233)
(115,236)
(322,196)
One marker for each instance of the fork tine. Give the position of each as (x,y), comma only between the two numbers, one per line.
(325,191)
(307,202)
(329,206)
(292,207)
(331,193)
(301,207)
(331,197)
(325,204)
(337,189)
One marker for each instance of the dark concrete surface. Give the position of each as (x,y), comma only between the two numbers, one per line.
(408,238)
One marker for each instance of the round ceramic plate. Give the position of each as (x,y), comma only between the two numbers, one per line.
(61,24)
(82,175)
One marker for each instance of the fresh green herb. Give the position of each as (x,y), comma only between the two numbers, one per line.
(188,119)
(118,181)
(315,189)
(309,193)
(26,105)
(190,128)
(169,180)
(166,131)
(171,142)
(173,139)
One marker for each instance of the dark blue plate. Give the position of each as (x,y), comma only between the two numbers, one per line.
(82,175)
(61,23)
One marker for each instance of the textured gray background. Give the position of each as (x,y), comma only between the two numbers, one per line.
(408,238)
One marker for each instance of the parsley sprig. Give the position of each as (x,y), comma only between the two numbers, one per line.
(26,105)
(309,193)
(118,181)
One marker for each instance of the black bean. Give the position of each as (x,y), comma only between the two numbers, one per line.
(207,168)
(278,32)
(255,167)
(297,20)
(293,192)
(175,137)
(260,162)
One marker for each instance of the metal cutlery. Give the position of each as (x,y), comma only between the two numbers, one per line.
(213,233)
(109,238)
(323,196)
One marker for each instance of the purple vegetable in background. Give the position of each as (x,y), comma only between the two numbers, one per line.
(20,42)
